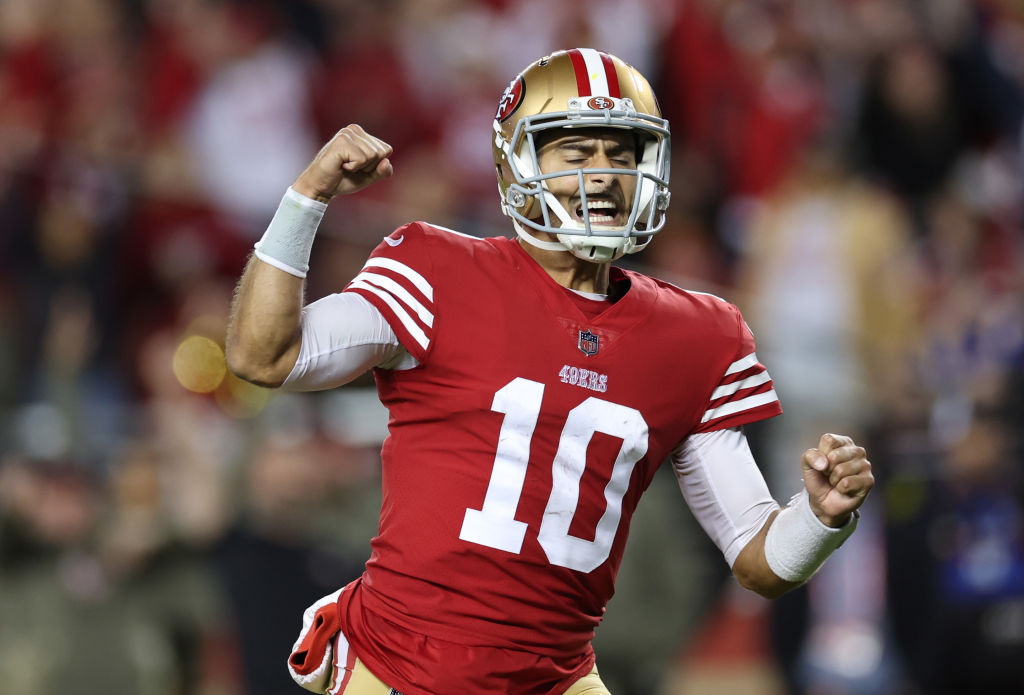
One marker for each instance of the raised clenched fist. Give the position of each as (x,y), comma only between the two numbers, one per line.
(352,160)
(837,475)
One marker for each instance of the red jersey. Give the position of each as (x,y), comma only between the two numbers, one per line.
(519,448)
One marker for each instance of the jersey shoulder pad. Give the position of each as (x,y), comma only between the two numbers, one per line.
(711,310)
(397,279)
(403,274)
(742,391)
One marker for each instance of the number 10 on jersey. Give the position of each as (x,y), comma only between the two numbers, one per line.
(495,525)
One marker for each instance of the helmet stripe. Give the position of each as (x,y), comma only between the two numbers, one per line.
(595,73)
(611,76)
(579,66)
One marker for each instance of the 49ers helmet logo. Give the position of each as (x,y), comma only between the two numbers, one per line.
(511,99)
(600,103)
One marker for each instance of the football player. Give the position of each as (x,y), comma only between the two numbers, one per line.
(533,389)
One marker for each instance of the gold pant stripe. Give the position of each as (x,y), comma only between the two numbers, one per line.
(362,682)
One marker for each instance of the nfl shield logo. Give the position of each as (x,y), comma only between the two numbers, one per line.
(588,343)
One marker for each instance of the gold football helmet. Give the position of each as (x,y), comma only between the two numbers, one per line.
(580,88)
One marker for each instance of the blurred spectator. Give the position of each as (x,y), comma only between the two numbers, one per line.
(957,558)
(251,124)
(269,562)
(849,242)
(90,599)
(745,90)
(825,266)
(913,123)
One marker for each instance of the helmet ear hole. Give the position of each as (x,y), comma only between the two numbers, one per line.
(504,171)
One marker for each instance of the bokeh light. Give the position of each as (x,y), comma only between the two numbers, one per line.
(199,364)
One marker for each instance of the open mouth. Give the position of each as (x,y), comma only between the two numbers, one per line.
(601,212)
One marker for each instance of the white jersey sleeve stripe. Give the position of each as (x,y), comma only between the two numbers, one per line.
(747,403)
(389,285)
(407,321)
(749,382)
(742,363)
(405,271)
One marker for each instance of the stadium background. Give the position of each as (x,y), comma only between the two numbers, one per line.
(847,171)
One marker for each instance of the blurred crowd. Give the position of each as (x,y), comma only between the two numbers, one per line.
(849,172)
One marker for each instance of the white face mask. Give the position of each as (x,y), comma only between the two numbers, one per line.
(529,191)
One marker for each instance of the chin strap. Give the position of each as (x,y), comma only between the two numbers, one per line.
(534,241)
(596,252)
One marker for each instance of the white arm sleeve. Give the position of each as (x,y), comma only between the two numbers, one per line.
(343,335)
(724,488)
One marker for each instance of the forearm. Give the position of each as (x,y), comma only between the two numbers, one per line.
(752,570)
(770,550)
(792,545)
(264,336)
(263,333)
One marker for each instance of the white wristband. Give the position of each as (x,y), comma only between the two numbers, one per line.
(798,543)
(289,238)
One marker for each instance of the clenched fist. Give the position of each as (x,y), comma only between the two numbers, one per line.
(838,477)
(352,160)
